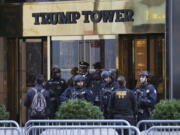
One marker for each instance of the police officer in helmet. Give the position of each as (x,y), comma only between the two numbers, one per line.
(56,85)
(78,91)
(146,96)
(55,72)
(108,80)
(108,85)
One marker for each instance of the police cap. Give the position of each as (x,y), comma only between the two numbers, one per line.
(83,64)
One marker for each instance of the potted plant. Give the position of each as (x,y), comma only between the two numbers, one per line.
(166,109)
(78,109)
(4,115)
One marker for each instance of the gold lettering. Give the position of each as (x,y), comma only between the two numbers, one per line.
(154,16)
(121,94)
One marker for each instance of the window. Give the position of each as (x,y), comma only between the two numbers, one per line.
(68,51)
(33,61)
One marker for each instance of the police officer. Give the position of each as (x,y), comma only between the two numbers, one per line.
(122,104)
(146,96)
(56,85)
(96,81)
(108,85)
(84,70)
(78,91)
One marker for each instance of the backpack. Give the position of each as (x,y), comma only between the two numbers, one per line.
(38,105)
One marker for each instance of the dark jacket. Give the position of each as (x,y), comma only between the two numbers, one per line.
(123,101)
(146,99)
(55,86)
(29,98)
(122,105)
(74,92)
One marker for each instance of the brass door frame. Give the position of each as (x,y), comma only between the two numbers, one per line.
(130,41)
(23,69)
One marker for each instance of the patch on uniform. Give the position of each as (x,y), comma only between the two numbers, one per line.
(147,91)
(155,91)
(121,94)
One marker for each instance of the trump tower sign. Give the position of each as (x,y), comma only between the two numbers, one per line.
(81,18)
(76,18)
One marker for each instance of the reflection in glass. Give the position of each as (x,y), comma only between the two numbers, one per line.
(66,54)
(34,61)
(110,54)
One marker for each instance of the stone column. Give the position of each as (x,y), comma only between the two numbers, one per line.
(173,48)
(3,72)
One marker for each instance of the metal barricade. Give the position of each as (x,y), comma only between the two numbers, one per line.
(8,123)
(9,127)
(146,124)
(83,130)
(92,123)
(163,130)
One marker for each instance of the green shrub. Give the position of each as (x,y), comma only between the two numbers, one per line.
(166,109)
(78,109)
(4,115)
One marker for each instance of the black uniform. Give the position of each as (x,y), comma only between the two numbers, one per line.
(96,86)
(146,99)
(122,105)
(77,93)
(105,93)
(56,87)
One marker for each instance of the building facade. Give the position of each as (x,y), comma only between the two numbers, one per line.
(126,36)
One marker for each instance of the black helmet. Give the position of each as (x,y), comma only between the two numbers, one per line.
(78,78)
(54,71)
(144,73)
(106,73)
(39,79)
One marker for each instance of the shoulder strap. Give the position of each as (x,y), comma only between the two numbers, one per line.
(42,90)
(35,90)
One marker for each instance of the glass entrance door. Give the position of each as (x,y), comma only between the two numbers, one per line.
(138,53)
(68,51)
(32,61)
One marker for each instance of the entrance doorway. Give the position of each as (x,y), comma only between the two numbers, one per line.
(32,60)
(127,55)
(143,52)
